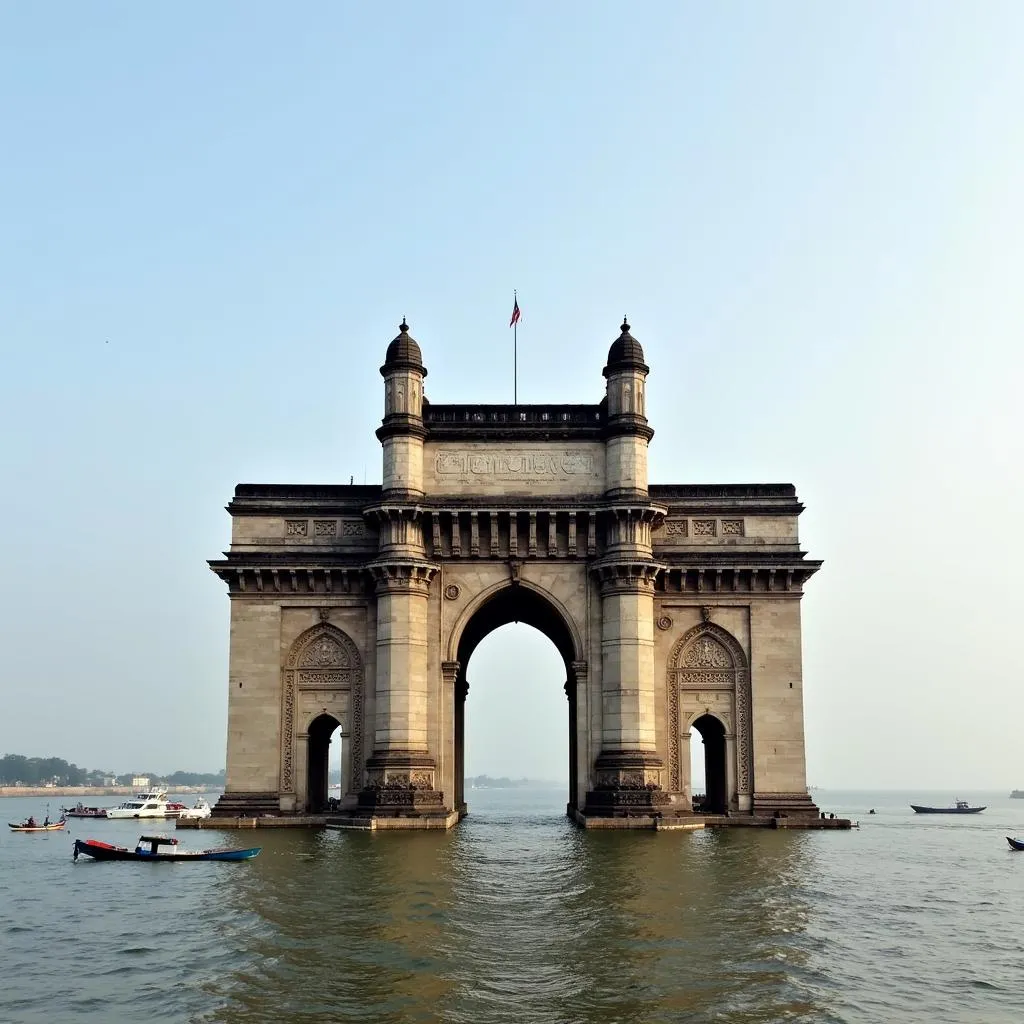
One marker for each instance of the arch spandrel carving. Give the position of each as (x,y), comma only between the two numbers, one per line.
(708,657)
(322,658)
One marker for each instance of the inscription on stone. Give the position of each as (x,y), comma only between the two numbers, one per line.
(353,528)
(296,527)
(325,528)
(732,527)
(513,465)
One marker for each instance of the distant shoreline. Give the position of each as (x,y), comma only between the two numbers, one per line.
(91,791)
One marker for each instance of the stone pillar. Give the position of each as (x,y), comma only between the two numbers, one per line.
(630,776)
(401,772)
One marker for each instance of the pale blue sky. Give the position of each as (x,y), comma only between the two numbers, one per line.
(213,216)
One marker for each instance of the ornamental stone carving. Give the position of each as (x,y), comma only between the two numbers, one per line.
(296,527)
(452,591)
(323,658)
(708,657)
(706,652)
(664,622)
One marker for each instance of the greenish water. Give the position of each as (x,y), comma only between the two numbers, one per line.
(518,916)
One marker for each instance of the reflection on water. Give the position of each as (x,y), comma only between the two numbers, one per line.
(516,915)
(520,916)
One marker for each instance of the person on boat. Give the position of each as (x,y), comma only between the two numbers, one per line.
(46,821)
(31,823)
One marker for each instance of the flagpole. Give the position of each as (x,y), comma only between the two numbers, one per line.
(515,353)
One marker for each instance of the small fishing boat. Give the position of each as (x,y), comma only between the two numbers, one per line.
(31,825)
(81,811)
(149,849)
(961,807)
(1015,844)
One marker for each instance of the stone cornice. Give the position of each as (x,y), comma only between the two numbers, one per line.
(267,581)
(628,425)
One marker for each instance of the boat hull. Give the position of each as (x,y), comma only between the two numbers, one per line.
(947,810)
(57,826)
(1015,844)
(105,851)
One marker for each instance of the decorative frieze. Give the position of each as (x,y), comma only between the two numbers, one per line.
(296,527)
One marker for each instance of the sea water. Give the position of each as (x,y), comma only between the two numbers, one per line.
(517,915)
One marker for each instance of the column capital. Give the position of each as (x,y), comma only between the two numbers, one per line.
(626,576)
(394,575)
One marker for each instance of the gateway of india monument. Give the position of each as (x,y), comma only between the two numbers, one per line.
(674,607)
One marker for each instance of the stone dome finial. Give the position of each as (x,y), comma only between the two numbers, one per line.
(625,352)
(403,352)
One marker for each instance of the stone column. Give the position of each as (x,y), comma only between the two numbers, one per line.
(629,773)
(401,772)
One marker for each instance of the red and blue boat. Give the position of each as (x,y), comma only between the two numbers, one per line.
(150,849)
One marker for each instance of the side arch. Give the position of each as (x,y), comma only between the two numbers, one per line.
(708,658)
(322,658)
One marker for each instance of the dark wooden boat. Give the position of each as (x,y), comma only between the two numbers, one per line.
(961,807)
(31,826)
(149,850)
(1015,844)
(81,811)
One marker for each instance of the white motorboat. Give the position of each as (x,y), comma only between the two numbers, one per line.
(153,804)
(200,809)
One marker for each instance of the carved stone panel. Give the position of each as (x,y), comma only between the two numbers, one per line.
(707,663)
(321,660)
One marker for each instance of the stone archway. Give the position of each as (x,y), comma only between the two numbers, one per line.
(318,761)
(497,607)
(323,676)
(708,676)
(716,791)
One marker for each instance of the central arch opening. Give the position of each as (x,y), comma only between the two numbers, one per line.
(516,654)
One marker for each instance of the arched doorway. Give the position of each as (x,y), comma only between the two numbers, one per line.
(716,791)
(511,604)
(318,762)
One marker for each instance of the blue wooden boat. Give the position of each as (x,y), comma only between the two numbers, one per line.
(149,849)
(1015,844)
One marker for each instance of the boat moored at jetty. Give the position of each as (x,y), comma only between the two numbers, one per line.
(960,807)
(200,809)
(149,849)
(153,804)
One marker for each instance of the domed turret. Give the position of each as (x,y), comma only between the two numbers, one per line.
(402,432)
(625,353)
(627,431)
(403,353)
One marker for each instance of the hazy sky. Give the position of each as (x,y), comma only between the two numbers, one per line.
(212,217)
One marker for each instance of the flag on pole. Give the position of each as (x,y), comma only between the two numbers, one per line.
(515,313)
